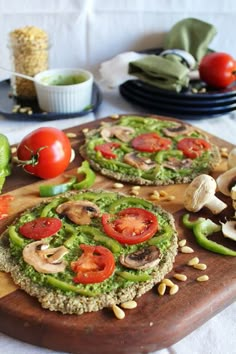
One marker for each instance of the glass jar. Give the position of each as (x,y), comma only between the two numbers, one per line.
(29,48)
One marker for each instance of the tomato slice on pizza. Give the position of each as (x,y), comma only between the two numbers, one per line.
(150,142)
(131,225)
(96,264)
(193,147)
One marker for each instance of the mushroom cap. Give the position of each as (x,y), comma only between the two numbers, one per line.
(144,258)
(226,181)
(199,192)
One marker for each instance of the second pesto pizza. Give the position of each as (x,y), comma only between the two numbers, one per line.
(148,150)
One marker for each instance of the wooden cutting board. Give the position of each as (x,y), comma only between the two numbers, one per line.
(158,321)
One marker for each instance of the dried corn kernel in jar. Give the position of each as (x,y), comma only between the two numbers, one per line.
(29,47)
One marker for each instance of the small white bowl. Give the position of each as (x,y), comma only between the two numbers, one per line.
(64,90)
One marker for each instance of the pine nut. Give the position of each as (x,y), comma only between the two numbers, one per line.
(163,193)
(203,278)
(186,249)
(13,149)
(224,149)
(118,185)
(114,116)
(169,198)
(174,289)
(71,135)
(118,312)
(154,197)
(182,242)
(200,266)
(134,192)
(161,289)
(129,305)
(181,277)
(85,130)
(193,261)
(224,154)
(136,188)
(168,282)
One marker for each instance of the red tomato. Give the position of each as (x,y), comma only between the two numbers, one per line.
(45,152)
(40,228)
(106,149)
(5,205)
(96,264)
(193,147)
(150,142)
(131,225)
(218,69)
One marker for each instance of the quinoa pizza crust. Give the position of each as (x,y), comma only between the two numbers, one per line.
(84,251)
(146,150)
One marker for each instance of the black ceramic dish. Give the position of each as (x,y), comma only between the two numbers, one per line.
(7,103)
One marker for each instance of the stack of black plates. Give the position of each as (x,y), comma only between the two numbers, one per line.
(184,105)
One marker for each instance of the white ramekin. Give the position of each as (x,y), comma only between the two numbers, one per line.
(64,98)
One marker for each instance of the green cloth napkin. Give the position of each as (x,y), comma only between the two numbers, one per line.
(191,35)
(161,72)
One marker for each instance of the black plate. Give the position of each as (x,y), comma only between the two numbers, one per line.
(139,87)
(157,107)
(7,103)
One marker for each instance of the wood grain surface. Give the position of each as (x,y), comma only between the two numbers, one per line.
(158,321)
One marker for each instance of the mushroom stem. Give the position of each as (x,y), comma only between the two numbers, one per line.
(215,205)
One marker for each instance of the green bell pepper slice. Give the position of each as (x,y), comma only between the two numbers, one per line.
(48,207)
(64,286)
(118,204)
(89,178)
(204,229)
(48,190)
(164,154)
(15,238)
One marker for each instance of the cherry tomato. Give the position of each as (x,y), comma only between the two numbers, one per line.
(218,69)
(5,205)
(106,149)
(40,228)
(96,264)
(193,147)
(150,142)
(45,152)
(130,226)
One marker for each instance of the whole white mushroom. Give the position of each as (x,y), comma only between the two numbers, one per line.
(200,193)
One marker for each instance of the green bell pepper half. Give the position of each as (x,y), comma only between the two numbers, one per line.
(134,277)
(5,158)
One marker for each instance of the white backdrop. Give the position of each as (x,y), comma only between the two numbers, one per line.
(86,32)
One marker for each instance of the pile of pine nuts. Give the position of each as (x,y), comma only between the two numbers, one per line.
(29,54)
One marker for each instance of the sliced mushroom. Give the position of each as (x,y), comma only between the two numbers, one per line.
(179,128)
(200,193)
(176,164)
(229,229)
(37,255)
(79,211)
(143,163)
(226,181)
(122,133)
(144,258)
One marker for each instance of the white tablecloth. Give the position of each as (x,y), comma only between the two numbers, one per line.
(218,335)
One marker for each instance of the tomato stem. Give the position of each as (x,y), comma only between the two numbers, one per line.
(34,158)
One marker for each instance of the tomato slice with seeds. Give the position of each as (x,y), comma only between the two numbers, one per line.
(5,205)
(130,226)
(150,142)
(95,265)
(106,149)
(193,147)
(40,228)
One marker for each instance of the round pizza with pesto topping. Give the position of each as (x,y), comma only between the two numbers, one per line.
(148,150)
(84,251)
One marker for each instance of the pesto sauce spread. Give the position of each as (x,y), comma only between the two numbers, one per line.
(146,125)
(72,235)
